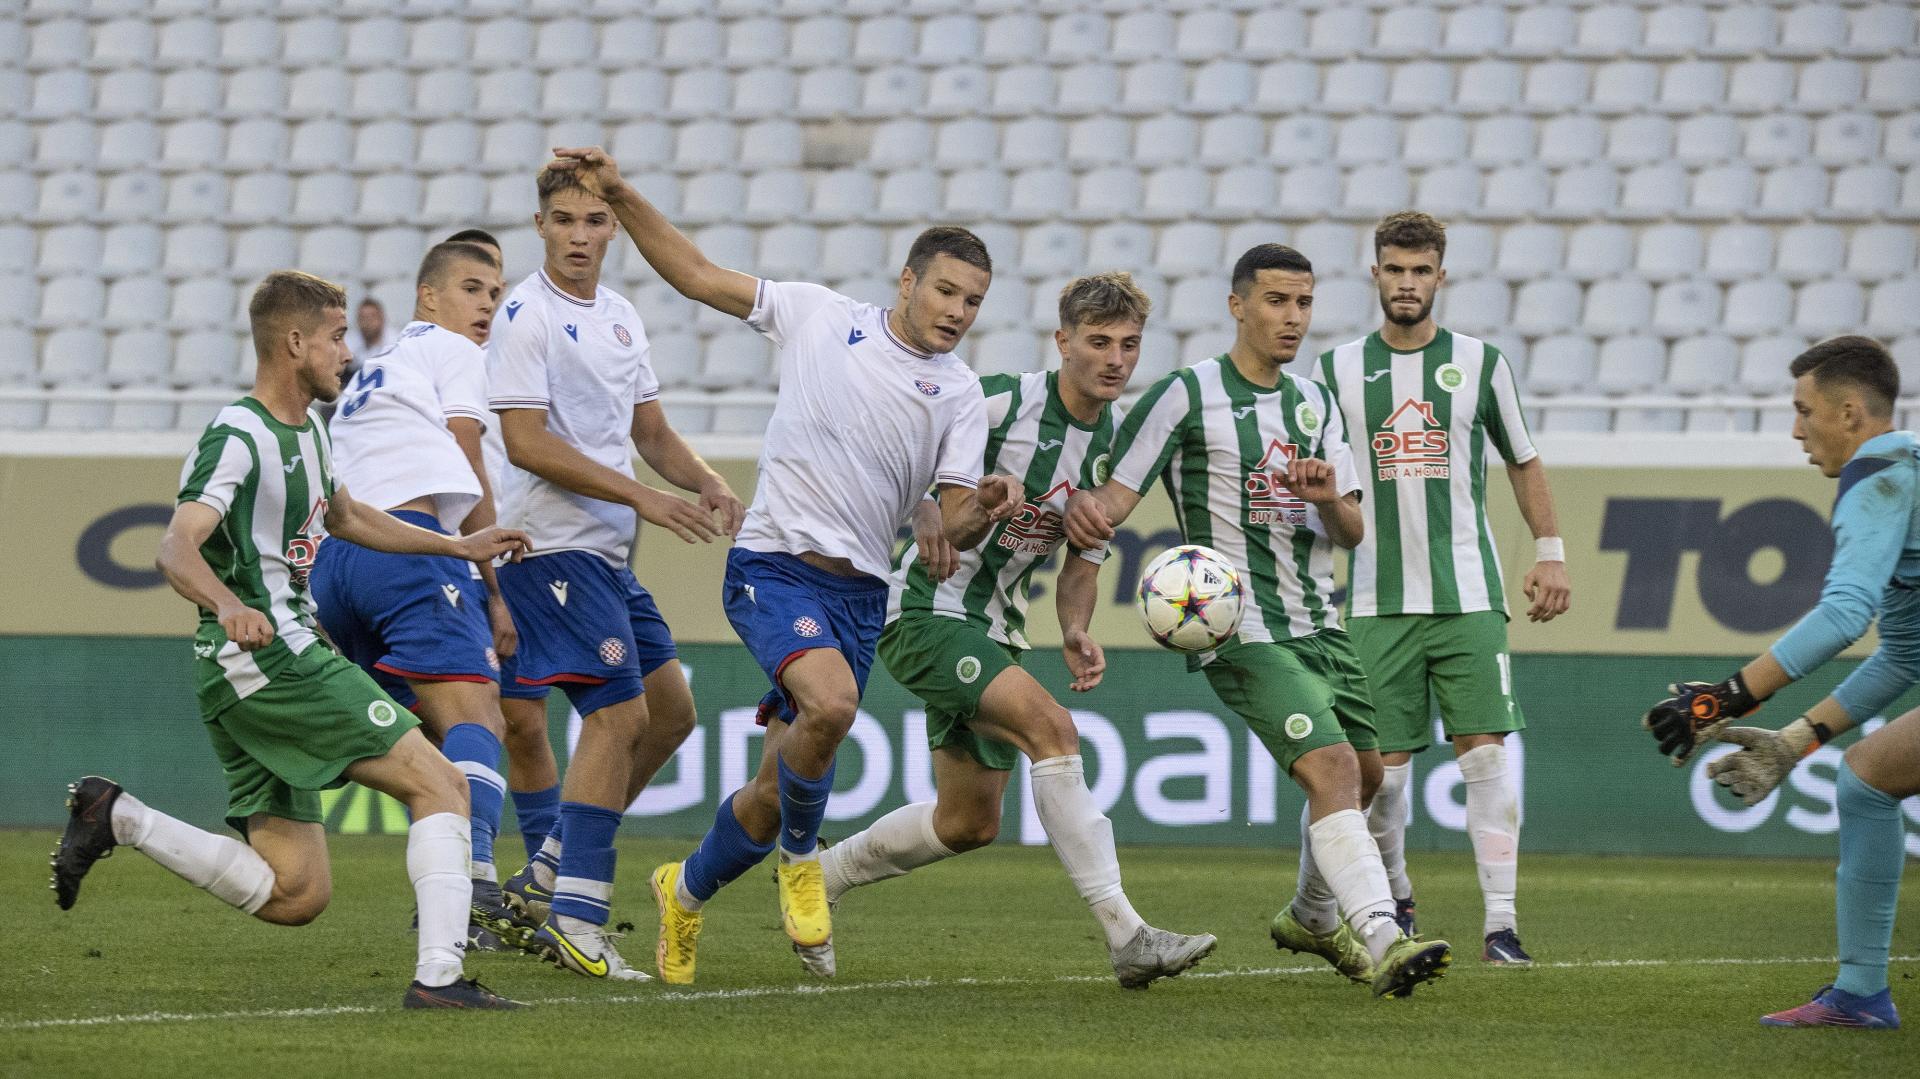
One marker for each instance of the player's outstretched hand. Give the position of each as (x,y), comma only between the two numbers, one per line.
(1547,586)
(938,557)
(1311,480)
(491,543)
(1086,661)
(999,496)
(1087,524)
(506,639)
(1697,712)
(1768,756)
(592,165)
(246,627)
(719,501)
(690,521)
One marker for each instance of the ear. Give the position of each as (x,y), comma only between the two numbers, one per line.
(538,218)
(907,278)
(1234,305)
(1060,342)
(423,296)
(1440,277)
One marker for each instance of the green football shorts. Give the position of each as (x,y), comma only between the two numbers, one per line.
(1298,695)
(949,663)
(293,737)
(1463,658)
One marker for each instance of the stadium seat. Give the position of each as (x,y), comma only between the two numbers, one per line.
(1572,140)
(1503,139)
(1864,192)
(74,357)
(973,194)
(1515,192)
(1722,191)
(260,250)
(1561,364)
(1685,307)
(1306,192)
(1620,305)
(1286,86)
(1640,140)
(1707,139)
(1877,252)
(1893,84)
(69,195)
(1367,140)
(1106,193)
(1005,352)
(848,249)
(1540,33)
(1099,140)
(1759,86)
(191,250)
(1435,139)
(1810,31)
(699,146)
(1703,365)
(1879,29)
(845,195)
(1892,308)
(1741,30)
(1526,252)
(1122,245)
(713,197)
(1630,365)
(1652,192)
(1012,38)
(1826,85)
(772,144)
(1478,307)
(388,199)
(1354,86)
(138,357)
(1692,86)
(1167,140)
(1623,86)
(123,94)
(199,303)
(1757,306)
(1669,252)
(320,145)
(1810,252)
(67,249)
(1846,138)
(1546,306)
(1336,33)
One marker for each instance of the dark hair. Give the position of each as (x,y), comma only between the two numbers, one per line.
(472,236)
(1852,361)
(1267,257)
(284,296)
(949,240)
(1412,230)
(441,258)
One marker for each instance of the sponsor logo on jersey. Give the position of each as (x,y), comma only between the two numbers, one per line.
(931,389)
(382,714)
(621,332)
(613,651)
(1298,726)
(305,545)
(1411,445)
(806,627)
(854,336)
(513,309)
(1268,500)
(1038,525)
(452,592)
(968,669)
(559,590)
(1450,377)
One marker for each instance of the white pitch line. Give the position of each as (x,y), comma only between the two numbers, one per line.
(822,989)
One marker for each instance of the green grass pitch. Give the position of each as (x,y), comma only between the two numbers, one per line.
(985,966)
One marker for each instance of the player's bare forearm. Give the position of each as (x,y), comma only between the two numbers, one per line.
(532,447)
(1534,497)
(1765,676)
(1075,593)
(1093,515)
(1346,525)
(962,520)
(357,522)
(484,514)
(667,250)
(664,451)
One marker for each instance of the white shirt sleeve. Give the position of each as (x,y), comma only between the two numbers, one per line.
(517,363)
(646,384)
(462,382)
(1148,437)
(1506,421)
(1333,439)
(964,444)
(782,307)
(216,471)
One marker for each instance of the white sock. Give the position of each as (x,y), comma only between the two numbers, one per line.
(788,857)
(1313,902)
(438,848)
(223,866)
(1083,841)
(1351,863)
(544,871)
(483,871)
(1387,820)
(893,846)
(1493,824)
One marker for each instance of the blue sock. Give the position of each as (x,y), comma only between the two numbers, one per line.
(1872,853)
(537,811)
(584,885)
(724,853)
(803,805)
(475,751)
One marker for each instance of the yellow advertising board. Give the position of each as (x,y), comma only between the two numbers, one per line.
(1664,560)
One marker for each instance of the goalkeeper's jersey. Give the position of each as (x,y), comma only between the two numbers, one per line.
(1422,425)
(1030,434)
(1222,445)
(270,483)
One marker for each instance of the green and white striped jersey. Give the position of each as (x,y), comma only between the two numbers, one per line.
(1422,425)
(270,483)
(1223,445)
(1030,434)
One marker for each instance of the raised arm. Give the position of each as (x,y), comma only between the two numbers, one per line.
(674,257)
(662,448)
(187,571)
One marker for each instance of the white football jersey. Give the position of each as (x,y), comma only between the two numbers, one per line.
(864,426)
(585,363)
(390,439)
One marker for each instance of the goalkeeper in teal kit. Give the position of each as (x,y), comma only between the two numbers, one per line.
(1843,397)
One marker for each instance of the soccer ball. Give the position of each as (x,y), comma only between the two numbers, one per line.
(1190,599)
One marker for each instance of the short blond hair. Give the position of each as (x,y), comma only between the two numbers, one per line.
(552,182)
(286,296)
(1100,298)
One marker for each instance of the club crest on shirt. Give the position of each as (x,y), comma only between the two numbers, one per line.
(806,627)
(621,332)
(931,389)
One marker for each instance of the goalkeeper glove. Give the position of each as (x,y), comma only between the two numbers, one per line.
(1768,756)
(1696,712)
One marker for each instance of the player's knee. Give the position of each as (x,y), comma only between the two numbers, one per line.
(671,726)
(973,832)
(1053,732)
(832,711)
(296,902)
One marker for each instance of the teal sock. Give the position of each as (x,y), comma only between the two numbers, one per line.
(1872,853)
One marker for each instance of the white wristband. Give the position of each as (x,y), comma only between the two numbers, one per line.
(1549,549)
